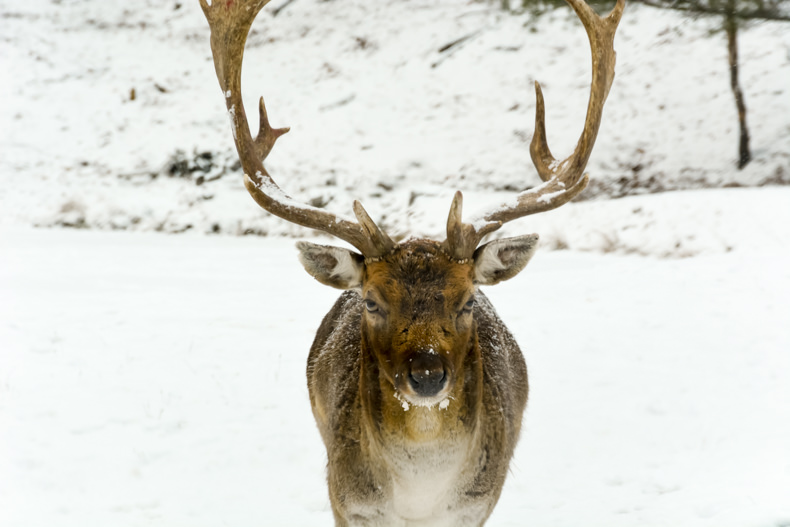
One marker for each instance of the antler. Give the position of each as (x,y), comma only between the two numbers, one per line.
(562,180)
(230,22)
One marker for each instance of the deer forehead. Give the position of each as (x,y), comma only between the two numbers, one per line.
(419,273)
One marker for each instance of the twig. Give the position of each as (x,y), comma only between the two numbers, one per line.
(276,10)
(451,47)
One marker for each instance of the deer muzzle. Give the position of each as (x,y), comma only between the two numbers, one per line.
(428,375)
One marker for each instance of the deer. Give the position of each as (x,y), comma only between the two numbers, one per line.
(416,385)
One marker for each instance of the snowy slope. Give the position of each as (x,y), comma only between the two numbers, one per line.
(148,379)
(377,111)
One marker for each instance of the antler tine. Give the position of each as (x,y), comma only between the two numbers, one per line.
(463,238)
(266,134)
(230,22)
(378,238)
(562,180)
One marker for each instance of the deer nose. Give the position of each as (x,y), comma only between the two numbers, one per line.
(427,375)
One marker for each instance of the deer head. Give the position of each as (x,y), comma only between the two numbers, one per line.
(419,301)
(418,295)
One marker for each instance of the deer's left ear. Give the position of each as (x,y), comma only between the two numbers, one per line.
(332,266)
(503,259)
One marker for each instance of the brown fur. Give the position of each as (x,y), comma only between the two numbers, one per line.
(375,448)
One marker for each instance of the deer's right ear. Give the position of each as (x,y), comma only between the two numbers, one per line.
(332,266)
(503,259)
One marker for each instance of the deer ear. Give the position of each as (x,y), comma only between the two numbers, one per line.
(503,259)
(332,266)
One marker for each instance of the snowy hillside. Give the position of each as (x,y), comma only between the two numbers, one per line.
(378,112)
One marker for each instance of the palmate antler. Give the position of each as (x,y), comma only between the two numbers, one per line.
(230,22)
(562,180)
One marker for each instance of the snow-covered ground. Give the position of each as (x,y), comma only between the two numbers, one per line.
(157,379)
(152,379)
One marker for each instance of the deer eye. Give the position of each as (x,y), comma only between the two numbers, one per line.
(371,306)
(470,304)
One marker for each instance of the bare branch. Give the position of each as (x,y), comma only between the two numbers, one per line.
(753,14)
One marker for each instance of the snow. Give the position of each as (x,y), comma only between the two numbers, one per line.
(232,117)
(546,198)
(152,378)
(403,402)
(159,379)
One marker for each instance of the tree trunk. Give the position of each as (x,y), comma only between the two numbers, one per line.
(731,25)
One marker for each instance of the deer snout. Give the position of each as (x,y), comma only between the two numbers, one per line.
(427,374)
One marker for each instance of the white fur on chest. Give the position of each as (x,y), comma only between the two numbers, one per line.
(425,484)
(425,489)
(426,492)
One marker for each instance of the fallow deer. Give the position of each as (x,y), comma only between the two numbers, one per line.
(416,385)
